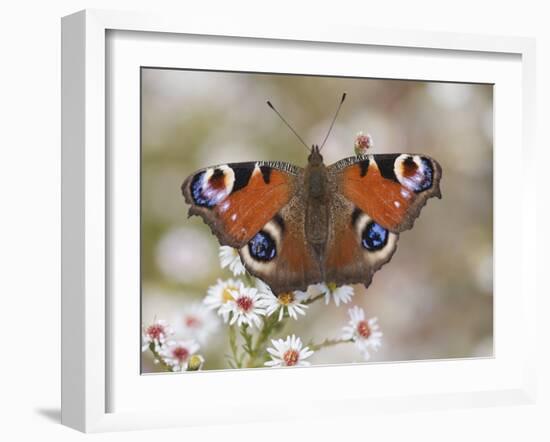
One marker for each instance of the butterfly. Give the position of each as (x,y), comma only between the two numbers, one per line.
(295,226)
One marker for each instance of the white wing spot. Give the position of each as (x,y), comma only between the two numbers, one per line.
(256,170)
(397,204)
(225,205)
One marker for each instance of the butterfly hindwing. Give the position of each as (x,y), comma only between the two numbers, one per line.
(280,254)
(357,245)
(236,200)
(390,188)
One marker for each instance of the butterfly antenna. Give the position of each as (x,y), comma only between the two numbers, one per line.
(333,120)
(288,125)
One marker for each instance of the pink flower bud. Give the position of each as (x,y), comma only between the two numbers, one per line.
(362,143)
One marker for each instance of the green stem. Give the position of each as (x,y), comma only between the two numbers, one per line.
(328,343)
(249,279)
(233,345)
(315,298)
(270,323)
(158,358)
(247,338)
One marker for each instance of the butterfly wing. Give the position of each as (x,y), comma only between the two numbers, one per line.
(236,200)
(257,208)
(375,198)
(390,188)
(357,246)
(279,254)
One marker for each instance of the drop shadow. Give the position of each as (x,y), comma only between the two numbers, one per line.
(51,414)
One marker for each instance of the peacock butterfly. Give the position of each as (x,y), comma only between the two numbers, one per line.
(295,226)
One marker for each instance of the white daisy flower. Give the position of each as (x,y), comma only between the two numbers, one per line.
(342,294)
(177,353)
(365,333)
(229,257)
(288,353)
(246,307)
(289,301)
(156,333)
(195,321)
(221,293)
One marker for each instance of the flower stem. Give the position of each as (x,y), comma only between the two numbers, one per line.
(328,343)
(270,323)
(158,358)
(249,279)
(247,347)
(233,346)
(312,300)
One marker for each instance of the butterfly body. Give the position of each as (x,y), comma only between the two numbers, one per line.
(317,186)
(295,226)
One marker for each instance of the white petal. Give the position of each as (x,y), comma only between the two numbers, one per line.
(306,353)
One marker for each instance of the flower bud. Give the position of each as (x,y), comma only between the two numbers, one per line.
(195,363)
(362,143)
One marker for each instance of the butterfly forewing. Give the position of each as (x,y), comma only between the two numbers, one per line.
(236,200)
(390,188)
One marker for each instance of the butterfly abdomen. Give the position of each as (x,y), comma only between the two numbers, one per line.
(317,209)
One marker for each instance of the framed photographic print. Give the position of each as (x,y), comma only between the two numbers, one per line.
(266,211)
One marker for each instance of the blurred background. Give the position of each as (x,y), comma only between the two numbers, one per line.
(434,299)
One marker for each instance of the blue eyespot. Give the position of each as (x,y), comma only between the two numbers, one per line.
(374,237)
(262,247)
(427,177)
(197,191)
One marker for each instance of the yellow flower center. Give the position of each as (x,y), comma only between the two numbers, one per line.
(286,298)
(226,295)
(332,286)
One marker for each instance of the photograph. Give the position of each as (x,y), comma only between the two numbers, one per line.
(298,220)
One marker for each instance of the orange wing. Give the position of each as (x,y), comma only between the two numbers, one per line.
(237,200)
(280,255)
(357,246)
(390,188)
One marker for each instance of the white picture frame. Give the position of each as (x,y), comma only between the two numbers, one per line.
(90,323)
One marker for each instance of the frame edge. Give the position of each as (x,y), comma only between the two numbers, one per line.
(83,299)
(73,82)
